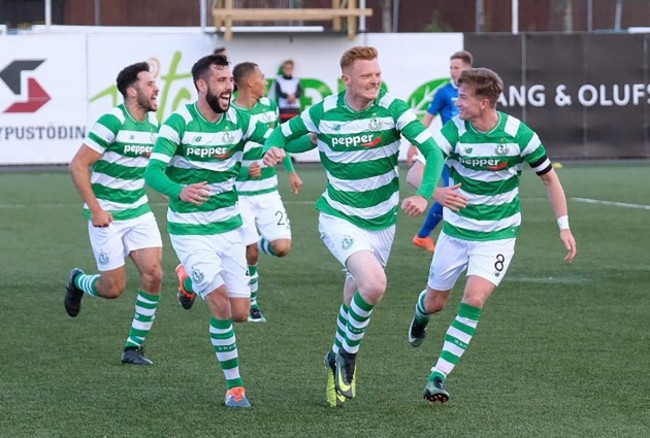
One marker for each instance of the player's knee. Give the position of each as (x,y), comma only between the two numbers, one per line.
(152,279)
(112,289)
(252,254)
(373,289)
(281,247)
(240,315)
(435,306)
(435,302)
(218,303)
(474,300)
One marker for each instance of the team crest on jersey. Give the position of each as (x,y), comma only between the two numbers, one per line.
(197,139)
(197,275)
(375,124)
(337,127)
(468,151)
(267,117)
(501,149)
(227,137)
(347,241)
(103,258)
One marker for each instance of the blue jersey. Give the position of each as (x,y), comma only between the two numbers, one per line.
(444,103)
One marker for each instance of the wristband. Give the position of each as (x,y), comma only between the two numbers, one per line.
(563,222)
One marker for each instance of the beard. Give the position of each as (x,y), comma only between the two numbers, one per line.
(146,103)
(215,105)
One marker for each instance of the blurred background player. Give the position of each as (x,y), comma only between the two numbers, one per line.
(120,220)
(195,162)
(288,91)
(257,187)
(443,103)
(486,149)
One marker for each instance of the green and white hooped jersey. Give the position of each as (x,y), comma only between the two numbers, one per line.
(359,151)
(488,166)
(118,176)
(197,150)
(265,111)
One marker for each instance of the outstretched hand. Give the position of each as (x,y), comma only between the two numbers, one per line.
(295,182)
(569,243)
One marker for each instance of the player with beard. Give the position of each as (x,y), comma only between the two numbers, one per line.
(120,220)
(195,162)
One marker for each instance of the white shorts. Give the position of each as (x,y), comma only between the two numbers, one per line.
(214,260)
(343,239)
(113,244)
(264,214)
(489,260)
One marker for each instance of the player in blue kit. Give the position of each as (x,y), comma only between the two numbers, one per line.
(443,103)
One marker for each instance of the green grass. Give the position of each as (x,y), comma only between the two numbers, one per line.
(561,351)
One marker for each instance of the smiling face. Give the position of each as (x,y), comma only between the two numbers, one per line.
(470,106)
(146,91)
(362,80)
(217,88)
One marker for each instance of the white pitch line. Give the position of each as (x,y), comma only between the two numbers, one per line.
(76,204)
(164,204)
(8,206)
(612,203)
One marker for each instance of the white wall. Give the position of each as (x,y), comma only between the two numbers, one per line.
(78,73)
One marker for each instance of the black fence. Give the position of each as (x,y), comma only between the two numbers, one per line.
(587,95)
